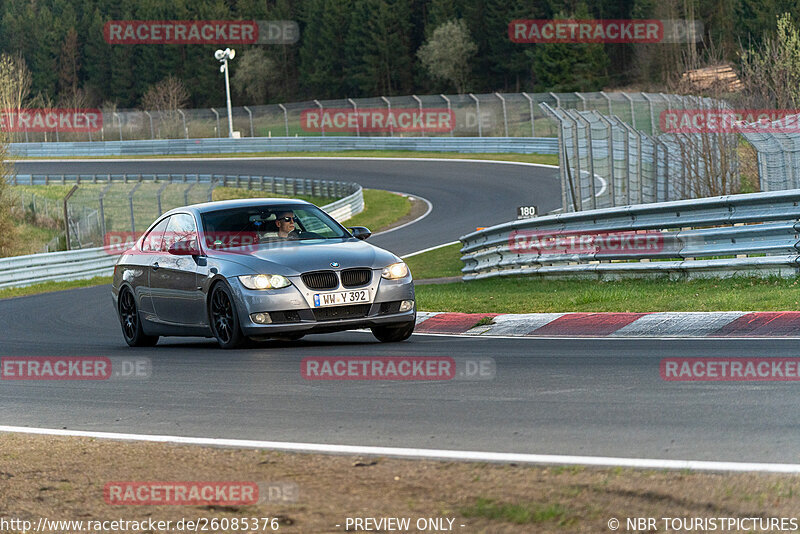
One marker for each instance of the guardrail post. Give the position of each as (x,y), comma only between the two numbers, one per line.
(285,118)
(389,107)
(505,113)
(185,129)
(450,113)
(419,101)
(250,114)
(321,120)
(216,114)
(477,113)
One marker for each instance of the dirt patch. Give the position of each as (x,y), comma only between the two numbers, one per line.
(63,479)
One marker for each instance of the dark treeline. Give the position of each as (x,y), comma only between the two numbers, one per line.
(356,48)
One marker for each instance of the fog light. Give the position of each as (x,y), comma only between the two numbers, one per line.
(406,305)
(261,318)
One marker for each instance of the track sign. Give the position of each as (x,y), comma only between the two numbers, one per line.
(527,212)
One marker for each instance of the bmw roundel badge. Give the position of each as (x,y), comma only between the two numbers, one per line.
(334,264)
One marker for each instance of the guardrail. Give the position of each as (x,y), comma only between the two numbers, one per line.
(755,233)
(523,145)
(22,271)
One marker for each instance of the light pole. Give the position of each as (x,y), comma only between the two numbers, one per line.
(223,56)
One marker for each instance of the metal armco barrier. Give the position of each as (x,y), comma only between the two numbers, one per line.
(755,234)
(523,145)
(22,271)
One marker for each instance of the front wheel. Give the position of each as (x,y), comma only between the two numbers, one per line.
(131,323)
(224,319)
(393,334)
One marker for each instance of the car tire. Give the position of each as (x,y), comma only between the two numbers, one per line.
(393,334)
(224,320)
(131,322)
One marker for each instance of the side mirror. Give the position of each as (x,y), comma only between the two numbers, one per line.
(360,232)
(184,248)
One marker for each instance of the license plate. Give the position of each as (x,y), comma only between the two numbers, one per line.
(340,298)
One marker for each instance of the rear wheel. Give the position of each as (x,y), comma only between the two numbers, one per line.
(393,334)
(224,319)
(131,322)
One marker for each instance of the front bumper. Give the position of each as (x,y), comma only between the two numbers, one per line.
(291,313)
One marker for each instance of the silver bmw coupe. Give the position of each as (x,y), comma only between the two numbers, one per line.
(250,270)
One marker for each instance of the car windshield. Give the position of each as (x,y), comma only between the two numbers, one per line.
(268,223)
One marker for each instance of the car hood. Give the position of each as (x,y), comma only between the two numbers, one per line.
(294,258)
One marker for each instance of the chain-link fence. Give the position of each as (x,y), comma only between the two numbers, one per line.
(471,115)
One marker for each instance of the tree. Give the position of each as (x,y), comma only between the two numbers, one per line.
(256,76)
(15,84)
(167,97)
(447,53)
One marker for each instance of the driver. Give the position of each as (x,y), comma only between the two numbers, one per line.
(285,224)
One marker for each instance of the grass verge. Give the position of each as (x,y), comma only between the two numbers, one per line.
(439,263)
(48,287)
(381,210)
(529,295)
(496,498)
(545,159)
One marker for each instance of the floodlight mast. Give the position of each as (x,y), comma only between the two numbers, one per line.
(223,56)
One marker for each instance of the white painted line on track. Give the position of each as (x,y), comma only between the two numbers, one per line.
(267,158)
(428,454)
(427,212)
(430,248)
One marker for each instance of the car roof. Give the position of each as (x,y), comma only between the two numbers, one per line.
(238,203)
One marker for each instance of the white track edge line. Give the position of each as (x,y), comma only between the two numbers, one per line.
(262,158)
(430,248)
(427,212)
(413,453)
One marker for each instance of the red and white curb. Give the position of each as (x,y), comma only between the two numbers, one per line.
(657,324)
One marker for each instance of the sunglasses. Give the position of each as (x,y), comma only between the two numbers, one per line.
(286,219)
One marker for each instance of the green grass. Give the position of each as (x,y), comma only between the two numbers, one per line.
(516,513)
(381,209)
(48,287)
(439,263)
(546,159)
(529,295)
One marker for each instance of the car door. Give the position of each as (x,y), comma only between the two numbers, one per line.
(150,252)
(173,279)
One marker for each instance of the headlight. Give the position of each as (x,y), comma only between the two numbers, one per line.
(264,281)
(395,271)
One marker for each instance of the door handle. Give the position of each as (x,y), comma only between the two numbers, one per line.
(155,266)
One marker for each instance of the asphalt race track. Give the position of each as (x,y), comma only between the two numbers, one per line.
(597,397)
(464,195)
(594,397)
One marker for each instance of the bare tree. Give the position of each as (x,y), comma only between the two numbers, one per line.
(167,97)
(447,53)
(15,83)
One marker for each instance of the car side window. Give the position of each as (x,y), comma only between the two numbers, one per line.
(152,241)
(181,228)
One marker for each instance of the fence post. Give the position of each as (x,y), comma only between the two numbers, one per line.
(130,204)
(102,211)
(66,213)
(250,114)
(119,124)
(216,114)
(389,107)
(152,132)
(285,118)
(626,150)
(558,100)
(158,196)
(449,113)
(608,99)
(610,130)
(588,128)
(419,102)
(355,108)
(652,115)
(321,120)
(505,113)
(583,100)
(186,193)
(477,113)
(633,112)
(211,187)
(185,129)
